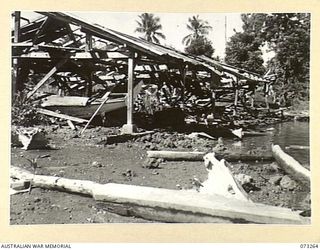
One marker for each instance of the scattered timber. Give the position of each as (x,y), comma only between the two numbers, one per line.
(71,125)
(237,132)
(32,138)
(198,156)
(200,135)
(184,206)
(291,166)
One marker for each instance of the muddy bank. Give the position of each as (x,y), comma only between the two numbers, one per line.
(91,157)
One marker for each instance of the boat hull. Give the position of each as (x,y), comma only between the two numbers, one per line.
(87,111)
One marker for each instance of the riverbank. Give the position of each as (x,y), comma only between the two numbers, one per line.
(91,157)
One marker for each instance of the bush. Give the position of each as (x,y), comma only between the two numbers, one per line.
(24,112)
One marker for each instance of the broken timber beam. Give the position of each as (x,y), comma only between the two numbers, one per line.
(291,166)
(62,116)
(88,55)
(167,205)
(47,76)
(106,98)
(198,156)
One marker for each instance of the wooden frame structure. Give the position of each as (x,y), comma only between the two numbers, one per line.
(82,57)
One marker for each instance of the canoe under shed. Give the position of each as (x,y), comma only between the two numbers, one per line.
(103,70)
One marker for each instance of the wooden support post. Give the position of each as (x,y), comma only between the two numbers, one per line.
(236,93)
(47,76)
(129,127)
(88,42)
(89,85)
(15,62)
(89,48)
(183,72)
(266,87)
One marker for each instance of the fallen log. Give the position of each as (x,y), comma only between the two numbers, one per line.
(112,139)
(198,156)
(291,166)
(255,133)
(298,147)
(53,182)
(167,205)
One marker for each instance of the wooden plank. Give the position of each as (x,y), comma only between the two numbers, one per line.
(71,125)
(291,166)
(62,116)
(47,76)
(165,204)
(177,203)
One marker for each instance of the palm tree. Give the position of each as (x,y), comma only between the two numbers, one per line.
(198,27)
(149,25)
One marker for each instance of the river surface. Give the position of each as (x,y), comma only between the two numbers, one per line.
(283,134)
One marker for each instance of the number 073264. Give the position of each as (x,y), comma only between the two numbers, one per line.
(309,246)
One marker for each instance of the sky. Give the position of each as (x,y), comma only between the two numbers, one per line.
(173,25)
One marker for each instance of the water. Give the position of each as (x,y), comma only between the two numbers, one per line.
(283,134)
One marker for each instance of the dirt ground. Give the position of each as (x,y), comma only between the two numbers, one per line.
(90,157)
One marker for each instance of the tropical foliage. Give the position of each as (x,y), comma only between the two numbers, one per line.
(149,25)
(196,42)
(288,36)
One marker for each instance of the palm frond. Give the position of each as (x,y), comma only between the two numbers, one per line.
(160,35)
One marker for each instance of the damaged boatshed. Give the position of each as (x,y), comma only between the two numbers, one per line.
(80,74)
(85,70)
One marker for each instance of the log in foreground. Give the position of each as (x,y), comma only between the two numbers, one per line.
(198,156)
(298,147)
(291,166)
(167,205)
